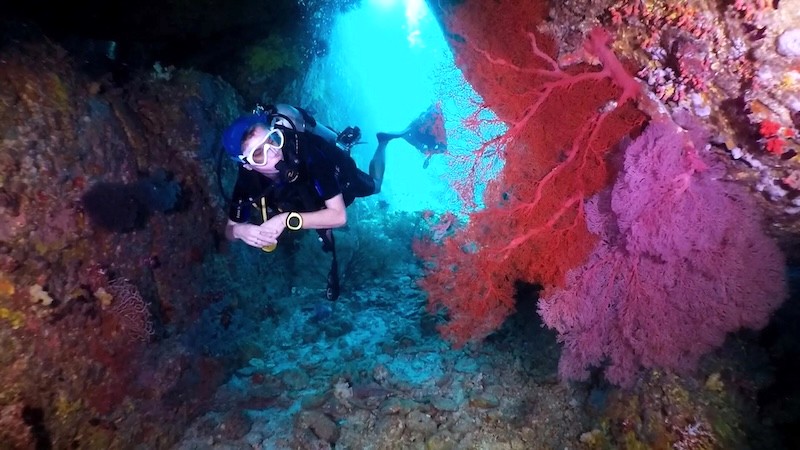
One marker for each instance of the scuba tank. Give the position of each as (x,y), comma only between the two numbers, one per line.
(301,121)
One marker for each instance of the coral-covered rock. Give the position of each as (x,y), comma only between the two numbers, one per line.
(77,350)
(14,431)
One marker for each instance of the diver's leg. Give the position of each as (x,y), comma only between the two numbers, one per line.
(378,164)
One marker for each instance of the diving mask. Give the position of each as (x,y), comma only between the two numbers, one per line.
(257,155)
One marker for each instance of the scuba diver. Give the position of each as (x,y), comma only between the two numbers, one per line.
(297,174)
(427,133)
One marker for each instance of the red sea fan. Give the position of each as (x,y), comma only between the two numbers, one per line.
(563,123)
(682,261)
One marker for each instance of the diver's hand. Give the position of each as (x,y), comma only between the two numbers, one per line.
(255,235)
(275,225)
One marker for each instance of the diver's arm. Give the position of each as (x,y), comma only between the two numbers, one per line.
(334,215)
(230,230)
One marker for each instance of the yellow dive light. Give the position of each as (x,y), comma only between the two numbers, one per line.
(271,247)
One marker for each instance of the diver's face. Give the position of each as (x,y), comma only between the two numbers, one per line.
(261,153)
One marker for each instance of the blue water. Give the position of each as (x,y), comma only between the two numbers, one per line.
(388,62)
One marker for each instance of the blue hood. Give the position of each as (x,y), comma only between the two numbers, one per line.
(232,136)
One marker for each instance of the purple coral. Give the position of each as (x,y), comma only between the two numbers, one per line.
(682,261)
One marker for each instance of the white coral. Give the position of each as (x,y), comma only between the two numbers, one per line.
(788,43)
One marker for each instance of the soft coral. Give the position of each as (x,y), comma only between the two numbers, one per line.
(555,157)
(682,261)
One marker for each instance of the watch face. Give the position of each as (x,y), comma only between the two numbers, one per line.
(294,221)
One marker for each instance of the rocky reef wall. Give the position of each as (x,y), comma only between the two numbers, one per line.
(110,222)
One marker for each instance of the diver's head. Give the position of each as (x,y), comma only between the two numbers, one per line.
(258,142)
(262,149)
(250,141)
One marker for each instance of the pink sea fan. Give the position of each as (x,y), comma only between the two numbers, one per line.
(683,260)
